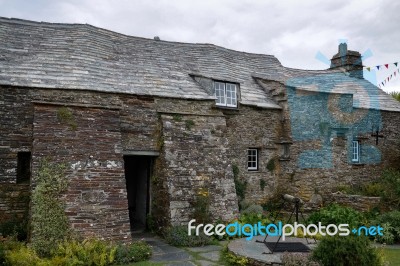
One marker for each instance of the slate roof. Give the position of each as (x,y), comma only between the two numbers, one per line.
(84,57)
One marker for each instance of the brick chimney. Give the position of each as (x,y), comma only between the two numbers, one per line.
(348,61)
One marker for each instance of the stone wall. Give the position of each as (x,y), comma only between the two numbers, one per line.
(255,128)
(88,140)
(199,144)
(358,202)
(16,116)
(195,149)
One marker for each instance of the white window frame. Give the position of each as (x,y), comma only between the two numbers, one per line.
(355,151)
(227,94)
(252,159)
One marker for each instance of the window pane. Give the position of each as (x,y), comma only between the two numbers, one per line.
(252,159)
(219,89)
(231,95)
(355,151)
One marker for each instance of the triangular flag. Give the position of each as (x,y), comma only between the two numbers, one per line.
(395,63)
(368,68)
(378,67)
(387,65)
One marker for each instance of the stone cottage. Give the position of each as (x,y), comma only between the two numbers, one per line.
(145,125)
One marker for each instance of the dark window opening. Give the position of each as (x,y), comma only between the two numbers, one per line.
(23,167)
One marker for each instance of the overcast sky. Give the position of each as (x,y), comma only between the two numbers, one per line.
(293,31)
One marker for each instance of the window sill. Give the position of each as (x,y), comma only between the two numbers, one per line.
(357,164)
(225,107)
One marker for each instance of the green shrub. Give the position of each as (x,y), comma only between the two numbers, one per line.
(178,236)
(189,124)
(252,215)
(201,207)
(22,256)
(391,193)
(15,227)
(229,258)
(390,222)
(373,189)
(49,222)
(90,252)
(240,185)
(346,251)
(336,214)
(262,184)
(134,252)
(271,165)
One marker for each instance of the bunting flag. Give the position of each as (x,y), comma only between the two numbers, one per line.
(379,67)
(389,78)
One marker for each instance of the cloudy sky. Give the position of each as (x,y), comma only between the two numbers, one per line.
(294,31)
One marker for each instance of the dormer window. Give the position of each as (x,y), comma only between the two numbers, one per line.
(226,94)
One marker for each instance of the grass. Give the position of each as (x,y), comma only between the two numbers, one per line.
(392,255)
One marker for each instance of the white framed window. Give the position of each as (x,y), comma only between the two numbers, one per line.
(226,94)
(355,151)
(252,159)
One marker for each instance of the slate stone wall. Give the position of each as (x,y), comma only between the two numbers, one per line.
(195,159)
(89,141)
(16,117)
(199,144)
(255,128)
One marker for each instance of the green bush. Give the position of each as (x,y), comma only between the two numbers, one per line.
(240,184)
(134,252)
(49,222)
(178,236)
(15,227)
(336,214)
(391,193)
(346,251)
(90,252)
(250,216)
(229,258)
(22,256)
(201,207)
(390,222)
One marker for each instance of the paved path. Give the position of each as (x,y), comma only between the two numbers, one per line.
(166,254)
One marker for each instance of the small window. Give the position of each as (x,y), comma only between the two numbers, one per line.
(286,151)
(355,149)
(23,167)
(252,159)
(226,94)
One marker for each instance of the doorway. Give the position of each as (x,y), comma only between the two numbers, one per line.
(138,170)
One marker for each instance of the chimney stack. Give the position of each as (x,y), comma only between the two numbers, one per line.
(348,61)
